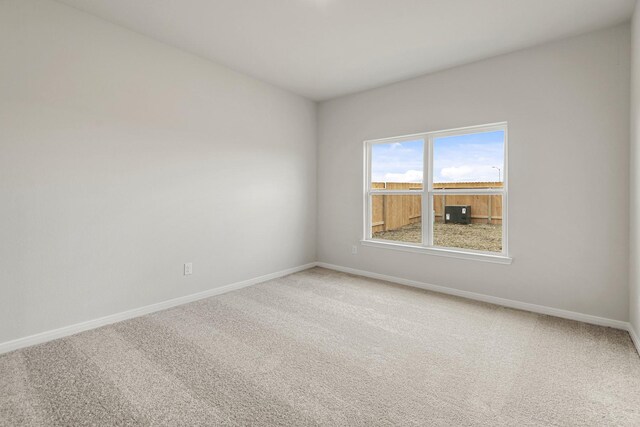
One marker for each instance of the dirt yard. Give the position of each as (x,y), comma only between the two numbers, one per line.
(482,237)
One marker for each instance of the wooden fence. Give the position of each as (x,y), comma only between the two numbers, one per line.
(390,212)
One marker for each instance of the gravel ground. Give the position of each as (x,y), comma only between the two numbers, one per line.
(482,237)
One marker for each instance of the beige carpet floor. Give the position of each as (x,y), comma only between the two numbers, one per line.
(326,348)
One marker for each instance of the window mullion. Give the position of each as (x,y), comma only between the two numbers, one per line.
(426,188)
(396,193)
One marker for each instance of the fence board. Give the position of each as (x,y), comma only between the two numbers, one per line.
(390,212)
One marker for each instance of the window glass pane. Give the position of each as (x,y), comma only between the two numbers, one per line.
(469,161)
(397,165)
(396,218)
(468,222)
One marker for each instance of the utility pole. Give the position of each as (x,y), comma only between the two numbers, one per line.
(499,173)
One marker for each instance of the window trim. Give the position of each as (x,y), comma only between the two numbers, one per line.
(427,192)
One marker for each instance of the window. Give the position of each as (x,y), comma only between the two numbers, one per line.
(459,176)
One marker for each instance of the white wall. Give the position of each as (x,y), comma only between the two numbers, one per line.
(634,232)
(567,105)
(122,158)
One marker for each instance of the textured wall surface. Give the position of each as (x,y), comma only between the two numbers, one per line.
(123,158)
(634,232)
(567,106)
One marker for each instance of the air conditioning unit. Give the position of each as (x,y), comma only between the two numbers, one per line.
(457,214)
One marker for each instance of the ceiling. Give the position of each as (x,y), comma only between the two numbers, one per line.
(326,48)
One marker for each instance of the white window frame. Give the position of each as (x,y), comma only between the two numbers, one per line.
(427,192)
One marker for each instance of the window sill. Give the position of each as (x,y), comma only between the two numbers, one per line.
(451,253)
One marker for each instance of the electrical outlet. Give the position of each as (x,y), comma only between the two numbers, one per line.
(354,249)
(188,268)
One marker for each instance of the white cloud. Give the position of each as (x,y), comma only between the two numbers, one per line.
(408,176)
(468,173)
(457,173)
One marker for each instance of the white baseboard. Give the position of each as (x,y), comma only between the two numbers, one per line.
(635,338)
(586,318)
(118,317)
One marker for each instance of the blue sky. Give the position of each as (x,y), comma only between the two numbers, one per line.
(397,162)
(463,158)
